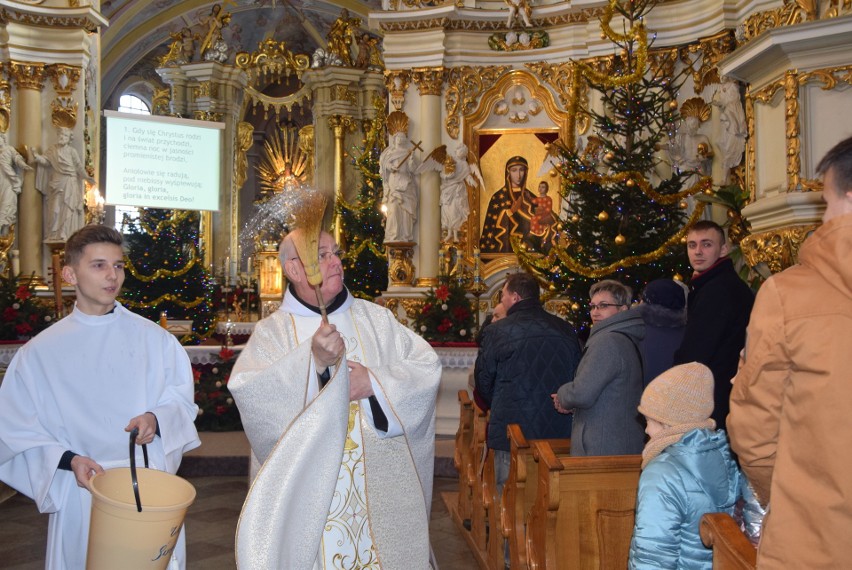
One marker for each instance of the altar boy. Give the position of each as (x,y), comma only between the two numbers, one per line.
(72,394)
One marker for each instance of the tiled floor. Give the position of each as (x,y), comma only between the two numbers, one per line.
(211,523)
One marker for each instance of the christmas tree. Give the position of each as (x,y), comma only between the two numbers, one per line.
(622,221)
(165,272)
(362,223)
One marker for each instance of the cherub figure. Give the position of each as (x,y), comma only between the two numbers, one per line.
(457,172)
(520,11)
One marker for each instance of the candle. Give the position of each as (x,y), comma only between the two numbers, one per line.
(248,266)
(16,262)
(476,264)
(226,276)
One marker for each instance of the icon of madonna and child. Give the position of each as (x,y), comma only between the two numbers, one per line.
(515,210)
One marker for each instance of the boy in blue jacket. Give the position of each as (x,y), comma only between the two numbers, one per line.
(687,471)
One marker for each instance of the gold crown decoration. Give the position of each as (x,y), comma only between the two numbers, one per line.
(695,107)
(397,123)
(64,114)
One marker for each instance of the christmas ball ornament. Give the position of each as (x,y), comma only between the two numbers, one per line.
(609,156)
(575,307)
(678,277)
(731,213)
(672,104)
(620,239)
(575,218)
(552,173)
(547,147)
(683,240)
(603,216)
(683,205)
(603,36)
(630,182)
(709,191)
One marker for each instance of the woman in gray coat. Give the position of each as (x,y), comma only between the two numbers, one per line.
(608,383)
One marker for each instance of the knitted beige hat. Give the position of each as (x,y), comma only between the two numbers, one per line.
(680,395)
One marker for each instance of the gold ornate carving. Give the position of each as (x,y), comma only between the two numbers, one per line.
(791,119)
(412,307)
(712,50)
(245,139)
(207,116)
(54,20)
(562,78)
(778,248)
(576,17)
(429,80)
(696,107)
(28,75)
(830,77)
(342,93)
(64,78)
(271,63)
(750,153)
(63,112)
(201,89)
(401,266)
(396,83)
(427,282)
(161,101)
(464,87)
(792,12)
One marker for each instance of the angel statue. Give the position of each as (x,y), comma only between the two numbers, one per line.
(457,171)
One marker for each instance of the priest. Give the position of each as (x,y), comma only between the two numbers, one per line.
(341,414)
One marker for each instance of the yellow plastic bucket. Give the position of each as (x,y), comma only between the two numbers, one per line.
(123,536)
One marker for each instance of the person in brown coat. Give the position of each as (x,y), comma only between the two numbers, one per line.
(790,420)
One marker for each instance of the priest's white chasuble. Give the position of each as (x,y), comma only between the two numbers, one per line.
(333,491)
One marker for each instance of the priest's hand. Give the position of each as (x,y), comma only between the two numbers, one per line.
(147,424)
(558,405)
(327,346)
(360,386)
(84,468)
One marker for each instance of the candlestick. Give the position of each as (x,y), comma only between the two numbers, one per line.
(476,275)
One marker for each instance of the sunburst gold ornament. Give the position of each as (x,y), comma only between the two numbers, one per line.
(620,239)
(603,216)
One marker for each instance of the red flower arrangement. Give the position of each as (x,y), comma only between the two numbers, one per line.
(446,315)
(23,314)
(216,408)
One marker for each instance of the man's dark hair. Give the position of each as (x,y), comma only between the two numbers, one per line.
(87,235)
(523,284)
(838,159)
(703,225)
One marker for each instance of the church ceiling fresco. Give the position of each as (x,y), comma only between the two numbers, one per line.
(139,29)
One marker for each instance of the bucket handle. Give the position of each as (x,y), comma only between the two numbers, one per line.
(134,433)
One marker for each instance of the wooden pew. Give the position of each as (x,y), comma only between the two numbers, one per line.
(583,513)
(518,498)
(732,550)
(479,508)
(462,457)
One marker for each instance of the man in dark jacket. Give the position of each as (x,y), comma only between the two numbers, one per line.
(523,359)
(718,310)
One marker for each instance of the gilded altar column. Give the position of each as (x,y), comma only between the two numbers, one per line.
(29,79)
(429,85)
(340,125)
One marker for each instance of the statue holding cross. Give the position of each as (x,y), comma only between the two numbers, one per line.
(398,167)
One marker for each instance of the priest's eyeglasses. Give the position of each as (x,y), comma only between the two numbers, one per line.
(327,255)
(603,306)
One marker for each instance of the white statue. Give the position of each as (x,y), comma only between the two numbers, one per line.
(519,10)
(457,171)
(397,165)
(60,178)
(733,120)
(11,165)
(689,149)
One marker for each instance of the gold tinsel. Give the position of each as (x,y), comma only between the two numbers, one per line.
(160,273)
(546,262)
(161,299)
